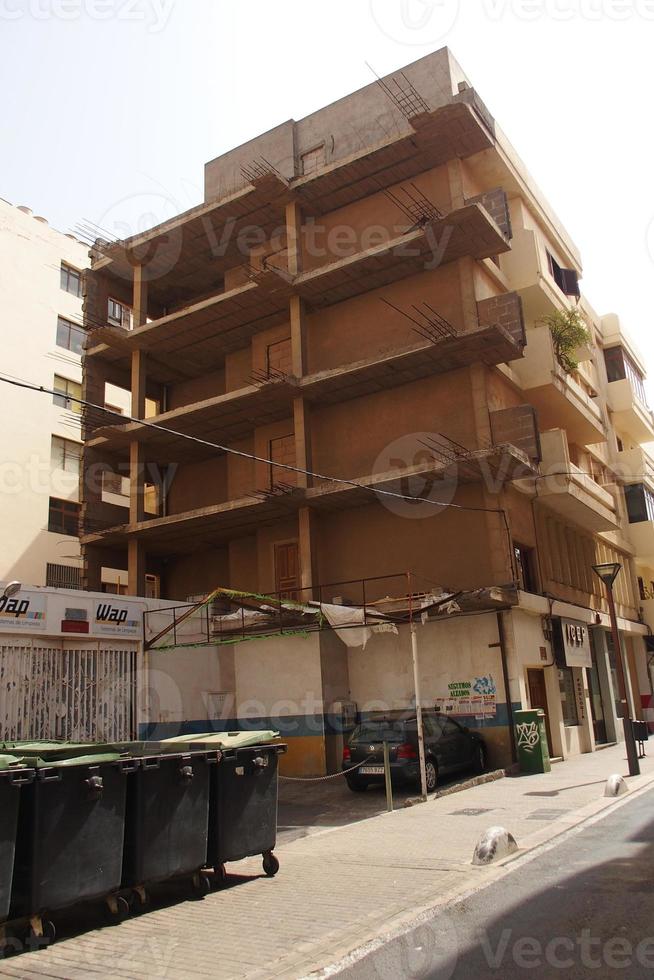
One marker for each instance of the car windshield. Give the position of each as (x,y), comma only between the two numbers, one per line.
(380,731)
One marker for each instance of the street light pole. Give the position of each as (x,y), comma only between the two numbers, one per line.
(608,573)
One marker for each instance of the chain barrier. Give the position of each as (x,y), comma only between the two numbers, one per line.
(320,779)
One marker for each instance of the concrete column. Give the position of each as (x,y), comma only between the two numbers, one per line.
(135,567)
(455,180)
(294,237)
(298,336)
(136,453)
(140,297)
(91,568)
(302,429)
(306,521)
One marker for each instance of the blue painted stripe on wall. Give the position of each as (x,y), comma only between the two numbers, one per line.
(291,726)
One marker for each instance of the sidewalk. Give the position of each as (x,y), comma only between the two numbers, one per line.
(336,889)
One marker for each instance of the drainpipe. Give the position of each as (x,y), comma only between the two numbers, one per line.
(507,688)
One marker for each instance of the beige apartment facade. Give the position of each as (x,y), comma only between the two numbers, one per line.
(356,398)
(41,273)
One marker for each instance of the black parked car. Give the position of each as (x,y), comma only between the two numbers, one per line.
(449,747)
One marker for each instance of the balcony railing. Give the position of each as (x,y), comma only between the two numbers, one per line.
(567,489)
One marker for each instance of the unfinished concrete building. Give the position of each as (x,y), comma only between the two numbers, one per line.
(359,298)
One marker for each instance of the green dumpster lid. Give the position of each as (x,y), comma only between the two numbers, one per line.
(76,760)
(226,740)
(10,762)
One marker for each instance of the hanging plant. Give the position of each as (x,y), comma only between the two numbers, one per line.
(569,333)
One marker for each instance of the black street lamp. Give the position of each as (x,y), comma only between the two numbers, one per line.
(608,574)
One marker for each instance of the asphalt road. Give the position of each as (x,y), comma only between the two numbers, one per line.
(584,908)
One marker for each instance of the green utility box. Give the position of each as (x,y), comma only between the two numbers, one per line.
(531,741)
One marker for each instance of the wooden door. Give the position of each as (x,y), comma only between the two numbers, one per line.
(287,569)
(538,698)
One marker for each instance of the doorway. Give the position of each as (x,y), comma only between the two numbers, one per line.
(538,698)
(287,570)
(596,702)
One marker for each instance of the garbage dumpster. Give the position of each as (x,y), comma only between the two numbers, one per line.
(69,845)
(531,740)
(167,814)
(243,806)
(13,775)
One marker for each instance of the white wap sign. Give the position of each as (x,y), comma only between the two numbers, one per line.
(115,619)
(25,611)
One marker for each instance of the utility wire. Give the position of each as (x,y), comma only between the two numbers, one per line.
(239,452)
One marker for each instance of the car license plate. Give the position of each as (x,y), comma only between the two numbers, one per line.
(372,770)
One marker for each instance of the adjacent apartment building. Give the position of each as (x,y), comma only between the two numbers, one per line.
(41,274)
(361,297)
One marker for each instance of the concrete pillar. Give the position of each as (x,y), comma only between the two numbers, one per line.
(136,453)
(306,520)
(91,568)
(302,429)
(135,567)
(298,336)
(294,237)
(140,297)
(455,180)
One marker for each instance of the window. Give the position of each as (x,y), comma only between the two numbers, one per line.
(70,336)
(524,562)
(568,697)
(64,391)
(71,279)
(113,408)
(66,454)
(63,517)
(114,588)
(119,315)
(566,279)
(620,366)
(63,576)
(640,503)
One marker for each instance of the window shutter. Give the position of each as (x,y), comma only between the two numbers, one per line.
(570,283)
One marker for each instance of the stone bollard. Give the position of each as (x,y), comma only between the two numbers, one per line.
(494,844)
(615,786)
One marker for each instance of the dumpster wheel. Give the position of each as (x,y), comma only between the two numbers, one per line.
(118,908)
(270,864)
(42,929)
(201,883)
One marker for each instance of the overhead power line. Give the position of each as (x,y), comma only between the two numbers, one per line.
(30,386)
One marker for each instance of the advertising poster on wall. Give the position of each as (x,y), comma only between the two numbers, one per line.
(475,698)
(24,612)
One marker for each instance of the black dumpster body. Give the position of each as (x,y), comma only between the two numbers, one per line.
(12,778)
(243,807)
(167,816)
(70,833)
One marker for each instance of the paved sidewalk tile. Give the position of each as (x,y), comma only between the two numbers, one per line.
(336,889)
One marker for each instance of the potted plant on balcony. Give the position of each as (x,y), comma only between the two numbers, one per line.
(569,333)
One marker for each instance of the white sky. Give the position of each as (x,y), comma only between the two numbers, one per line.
(110,108)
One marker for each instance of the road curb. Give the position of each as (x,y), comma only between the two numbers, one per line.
(348,965)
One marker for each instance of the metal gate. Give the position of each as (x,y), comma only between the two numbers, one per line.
(77,693)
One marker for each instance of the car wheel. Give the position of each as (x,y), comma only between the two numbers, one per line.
(480,757)
(431,774)
(357,785)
